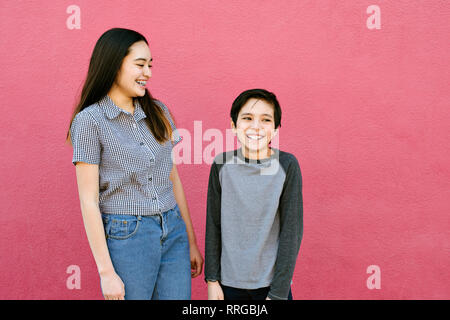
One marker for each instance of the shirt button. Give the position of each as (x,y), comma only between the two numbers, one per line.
(141,143)
(151,160)
(154,198)
(150,179)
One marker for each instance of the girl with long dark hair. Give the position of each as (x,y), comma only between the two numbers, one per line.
(132,201)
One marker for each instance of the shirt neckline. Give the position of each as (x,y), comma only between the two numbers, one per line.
(241,156)
(111,110)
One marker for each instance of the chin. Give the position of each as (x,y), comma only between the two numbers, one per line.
(142,93)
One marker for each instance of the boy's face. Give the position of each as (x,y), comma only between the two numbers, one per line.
(255,128)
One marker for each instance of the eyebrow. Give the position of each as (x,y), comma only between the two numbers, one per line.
(151,59)
(251,114)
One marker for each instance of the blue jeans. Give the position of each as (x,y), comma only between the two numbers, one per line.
(150,254)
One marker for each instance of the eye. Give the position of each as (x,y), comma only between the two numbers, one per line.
(267,120)
(246,118)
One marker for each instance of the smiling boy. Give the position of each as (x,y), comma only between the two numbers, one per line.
(254,223)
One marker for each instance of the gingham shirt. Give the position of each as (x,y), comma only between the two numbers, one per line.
(134,167)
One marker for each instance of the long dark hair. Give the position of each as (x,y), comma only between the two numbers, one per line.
(109,51)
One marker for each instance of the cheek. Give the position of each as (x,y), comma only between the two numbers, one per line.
(124,80)
(270,132)
(129,74)
(241,127)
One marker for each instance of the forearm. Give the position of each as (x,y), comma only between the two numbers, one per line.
(213,249)
(291,234)
(93,225)
(180,198)
(288,249)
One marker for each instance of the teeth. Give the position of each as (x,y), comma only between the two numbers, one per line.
(142,83)
(254,137)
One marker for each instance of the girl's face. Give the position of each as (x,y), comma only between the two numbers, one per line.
(255,128)
(135,71)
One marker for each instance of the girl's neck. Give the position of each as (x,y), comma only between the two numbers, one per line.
(122,101)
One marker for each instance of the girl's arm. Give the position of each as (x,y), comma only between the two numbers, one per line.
(196,257)
(88,181)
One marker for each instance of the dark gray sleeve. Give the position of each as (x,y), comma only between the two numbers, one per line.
(213,237)
(291,229)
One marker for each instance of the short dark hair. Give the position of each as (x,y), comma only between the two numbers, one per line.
(263,94)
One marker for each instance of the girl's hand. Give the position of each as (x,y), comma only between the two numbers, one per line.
(196,261)
(112,286)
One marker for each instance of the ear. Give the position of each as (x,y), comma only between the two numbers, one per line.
(233,127)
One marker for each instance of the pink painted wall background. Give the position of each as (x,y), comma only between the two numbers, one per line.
(365,111)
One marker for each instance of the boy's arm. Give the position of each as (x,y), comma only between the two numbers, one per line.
(291,232)
(213,238)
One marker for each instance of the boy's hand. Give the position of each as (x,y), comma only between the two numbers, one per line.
(215,291)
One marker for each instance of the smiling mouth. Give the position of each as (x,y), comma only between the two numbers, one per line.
(254,137)
(141,83)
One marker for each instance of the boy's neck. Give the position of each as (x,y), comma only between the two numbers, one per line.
(257,155)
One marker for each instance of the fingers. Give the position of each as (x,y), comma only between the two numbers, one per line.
(198,270)
(118,296)
(114,298)
(112,287)
(196,267)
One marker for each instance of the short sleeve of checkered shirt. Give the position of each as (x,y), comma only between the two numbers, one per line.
(85,139)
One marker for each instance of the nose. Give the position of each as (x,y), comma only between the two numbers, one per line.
(147,71)
(255,124)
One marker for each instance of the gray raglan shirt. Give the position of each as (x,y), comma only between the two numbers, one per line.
(254,222)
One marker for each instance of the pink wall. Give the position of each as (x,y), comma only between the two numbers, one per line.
(364,110)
